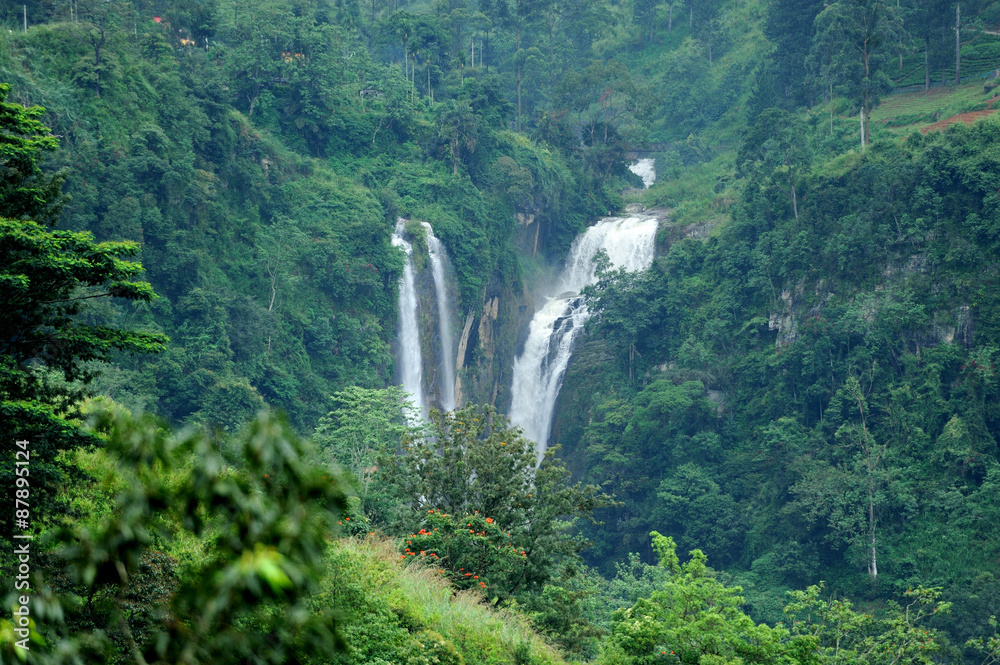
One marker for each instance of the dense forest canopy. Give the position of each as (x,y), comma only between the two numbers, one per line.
(777,444)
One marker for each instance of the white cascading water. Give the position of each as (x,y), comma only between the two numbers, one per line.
(538,373)
(646,169)
(445,323)
(409,362)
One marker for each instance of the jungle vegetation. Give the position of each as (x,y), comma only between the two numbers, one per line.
(778,445)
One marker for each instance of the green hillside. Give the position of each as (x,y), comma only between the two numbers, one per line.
(778,444)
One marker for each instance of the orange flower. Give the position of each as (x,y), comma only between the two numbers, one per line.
(489,520)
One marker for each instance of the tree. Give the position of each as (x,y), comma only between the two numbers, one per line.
(517,14)
(858,434)
(265,515)
(841,634)
(101,23)
(703,17)
(47,279)
(459,127)
(26,192)
(645,14)
(775,151)
(861,37)
(789,24)
(617,300)
(363,426)
(472,462)
(400,24)
(696,619)
(932,19)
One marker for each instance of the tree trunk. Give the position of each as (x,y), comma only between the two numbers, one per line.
(670,19)
(518,52)
(873,566)
(795,200)
(958,43)
(927,63)
(866,102)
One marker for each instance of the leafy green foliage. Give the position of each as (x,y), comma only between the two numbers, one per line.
(478,552)
(25,191)
(843,634)
(391,612)
(473,463)
(362,428)
(836,393)
(693,618)
(266,516)
(47,279)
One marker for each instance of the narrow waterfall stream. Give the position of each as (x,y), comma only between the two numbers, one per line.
(446,382)
(539,371)
(646,169)
(409,364)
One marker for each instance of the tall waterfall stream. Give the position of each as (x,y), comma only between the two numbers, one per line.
(409,351)
(409,362)
(538,373)
(446,382)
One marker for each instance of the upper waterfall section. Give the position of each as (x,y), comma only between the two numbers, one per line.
(630,243)
(645,168)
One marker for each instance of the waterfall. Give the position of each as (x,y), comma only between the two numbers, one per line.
(646,169)
(446,382)
(539,371)
(408,360)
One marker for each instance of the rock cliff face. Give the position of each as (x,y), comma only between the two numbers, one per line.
(796,305)
(487,346)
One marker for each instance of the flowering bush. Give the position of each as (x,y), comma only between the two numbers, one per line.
(474,551)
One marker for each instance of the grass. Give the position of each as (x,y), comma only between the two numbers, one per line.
(698,193)
(394,610)
(905,112)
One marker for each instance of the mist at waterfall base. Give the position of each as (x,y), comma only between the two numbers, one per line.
(538,372)
(409,346)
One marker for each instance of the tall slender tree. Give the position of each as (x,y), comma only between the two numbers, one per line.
(861,37)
